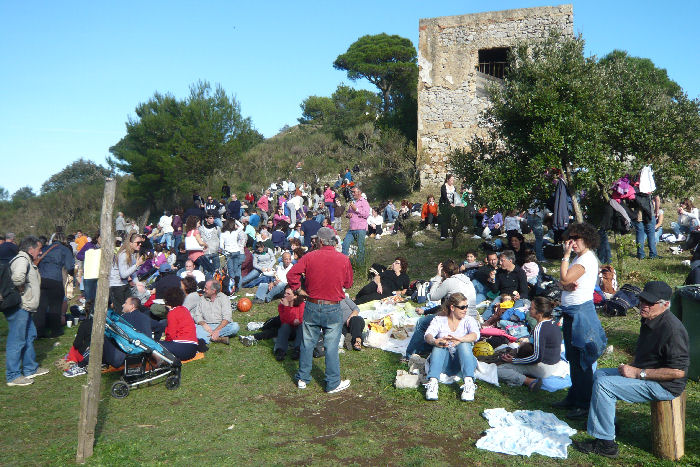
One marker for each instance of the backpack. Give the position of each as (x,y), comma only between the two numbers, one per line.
(623,300)
(10,297)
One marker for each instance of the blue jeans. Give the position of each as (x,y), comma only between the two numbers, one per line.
(261,279)
(268,295)
(603,252)
(678,229)
(177,239)
(390,215)
(359,237)
(233,266)
(646,230)
(90,289)
(20,357)
(329,320)
(609,387)
(167,239)
(331,210)
(417,343)
(460,361)
(282,340)
(251,276)
(535,223)
(481,291)
(214,260)
(579,394)
(231,329)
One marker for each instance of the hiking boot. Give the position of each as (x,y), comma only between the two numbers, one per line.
(301,384)
(74,371)
(468,389)
(601,447)
(431,390)
(20,381)
(344,384)
(39,372)
(280,354)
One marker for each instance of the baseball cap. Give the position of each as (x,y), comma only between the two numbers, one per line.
(165,267)
(655,291)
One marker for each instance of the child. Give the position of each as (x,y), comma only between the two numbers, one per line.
(511,223)
(531,268)
(470,265)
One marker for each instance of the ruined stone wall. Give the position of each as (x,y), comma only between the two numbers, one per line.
(451,92)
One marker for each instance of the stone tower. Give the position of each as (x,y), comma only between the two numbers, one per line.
(457,57)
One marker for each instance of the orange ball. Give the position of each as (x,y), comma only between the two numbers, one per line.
(244,304)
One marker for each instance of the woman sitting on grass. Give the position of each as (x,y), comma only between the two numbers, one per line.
(546,357)
(291,311)
(452,334)
(180,333)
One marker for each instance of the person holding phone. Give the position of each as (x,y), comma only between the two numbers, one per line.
(584,337)
(452,334)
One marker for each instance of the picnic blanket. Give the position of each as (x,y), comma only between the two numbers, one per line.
(524,432)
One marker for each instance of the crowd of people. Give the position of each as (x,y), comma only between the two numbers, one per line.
(175,277)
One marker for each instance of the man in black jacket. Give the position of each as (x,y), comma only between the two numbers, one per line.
(510,279)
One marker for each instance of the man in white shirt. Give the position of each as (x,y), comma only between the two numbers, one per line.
(268,291)
(191,271)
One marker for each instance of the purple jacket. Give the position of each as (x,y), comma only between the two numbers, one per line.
(491,221)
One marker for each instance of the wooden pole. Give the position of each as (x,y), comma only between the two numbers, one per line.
(668,428)
(90,396)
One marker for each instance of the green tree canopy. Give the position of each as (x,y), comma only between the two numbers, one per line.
(559,110)
(172,145)
(346,108)
(23,194)
(388,62)
(4,194)
(79,172)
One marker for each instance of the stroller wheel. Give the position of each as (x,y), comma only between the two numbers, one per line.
(120,390)
(172,383)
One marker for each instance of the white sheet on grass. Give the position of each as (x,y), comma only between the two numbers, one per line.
(524,432)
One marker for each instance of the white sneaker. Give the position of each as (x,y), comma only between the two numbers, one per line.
(378,237)
(468,389)
(301,384)
(431,390)
(344,384)
(74,371)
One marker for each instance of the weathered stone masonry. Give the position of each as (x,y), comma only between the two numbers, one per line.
(451,91)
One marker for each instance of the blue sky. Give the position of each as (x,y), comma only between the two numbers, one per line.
(71,73)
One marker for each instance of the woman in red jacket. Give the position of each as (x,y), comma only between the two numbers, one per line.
(429,214)
(291,310)
(180,333)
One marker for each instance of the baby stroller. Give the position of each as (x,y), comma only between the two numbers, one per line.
(137,368)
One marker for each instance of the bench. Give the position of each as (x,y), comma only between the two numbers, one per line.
(668,428)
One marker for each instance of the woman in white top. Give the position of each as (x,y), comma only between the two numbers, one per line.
(584,337)
(374,224)
(452,334)
(232,242)
(687,219)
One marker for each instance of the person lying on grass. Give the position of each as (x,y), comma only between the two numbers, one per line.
(452,334)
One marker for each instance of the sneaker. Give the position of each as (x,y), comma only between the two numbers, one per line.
(431,390)
(20,381)
(443,238)
(344,384)
(301,384)
(377,237)
(598,446)
(224,340)
(74,371)
(280,354)
(39,372)
(468,390)
(247,340)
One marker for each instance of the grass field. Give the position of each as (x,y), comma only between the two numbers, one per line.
(239,406)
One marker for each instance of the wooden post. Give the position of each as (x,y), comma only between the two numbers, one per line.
(90,396)
(668,428)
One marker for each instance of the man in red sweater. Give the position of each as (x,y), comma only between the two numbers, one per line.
(326,273)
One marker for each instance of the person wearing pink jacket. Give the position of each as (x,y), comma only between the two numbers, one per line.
(357,211)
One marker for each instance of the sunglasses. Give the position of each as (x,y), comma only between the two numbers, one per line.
(140,242)
(643,302)
(461,307)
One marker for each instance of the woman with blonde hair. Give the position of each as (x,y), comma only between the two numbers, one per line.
(124,266)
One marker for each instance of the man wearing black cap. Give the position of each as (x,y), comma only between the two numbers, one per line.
(658,373)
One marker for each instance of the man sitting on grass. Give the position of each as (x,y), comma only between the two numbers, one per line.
(213,315)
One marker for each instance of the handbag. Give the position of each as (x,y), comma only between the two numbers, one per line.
(191,244)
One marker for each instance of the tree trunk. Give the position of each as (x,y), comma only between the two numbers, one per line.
(574,201)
